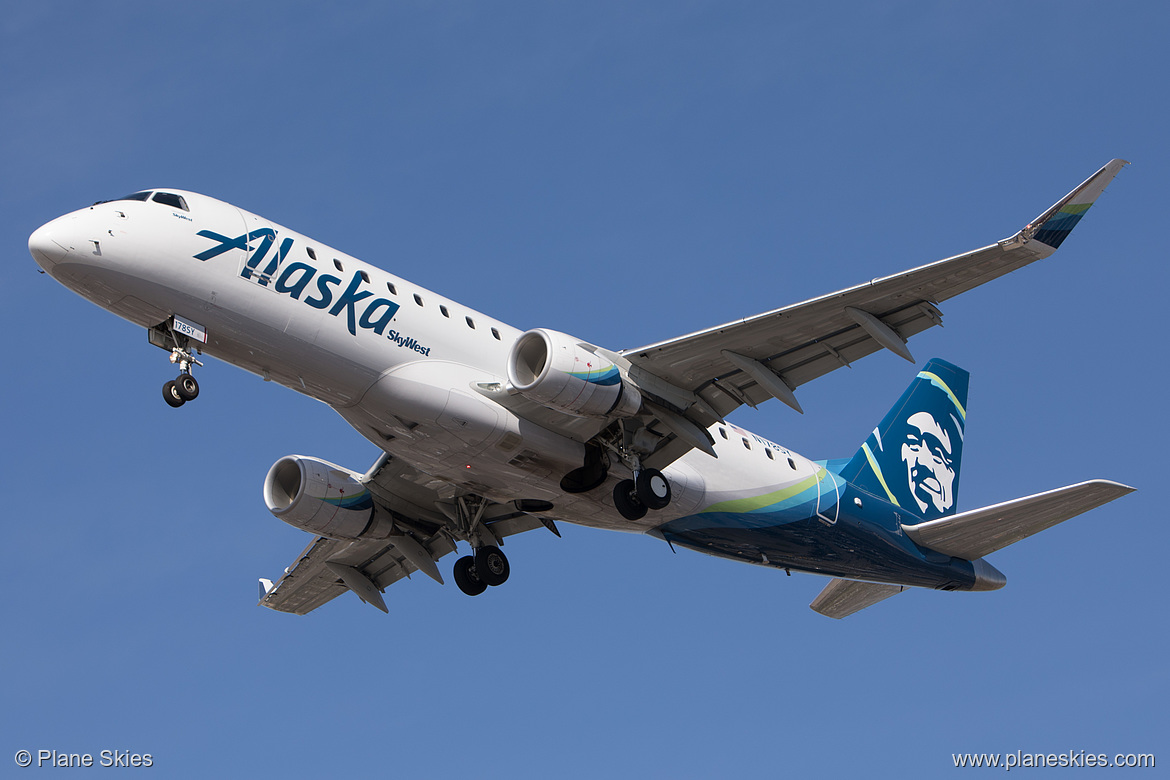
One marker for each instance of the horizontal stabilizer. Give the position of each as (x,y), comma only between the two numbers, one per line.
(842,598)
(972,535)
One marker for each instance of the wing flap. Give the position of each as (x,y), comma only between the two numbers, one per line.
(979,532)
(307,584)
(841,598)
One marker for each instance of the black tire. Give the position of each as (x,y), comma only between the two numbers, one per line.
(626,500)
(653,488)
(171,395)
(466,578)
(491,566)
(186,387)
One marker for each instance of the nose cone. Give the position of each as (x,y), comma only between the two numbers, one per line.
(46,245)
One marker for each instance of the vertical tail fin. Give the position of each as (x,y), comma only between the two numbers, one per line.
(912,458)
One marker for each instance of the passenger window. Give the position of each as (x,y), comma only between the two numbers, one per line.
(747,445)
(365,277)
(792,463)
(496,333)
(443,309)
(723,433)
(337,265)
(417,299)
(390,287)
(770,455)
(171,199)
(312,254)
(470,323)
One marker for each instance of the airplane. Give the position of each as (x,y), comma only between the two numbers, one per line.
(487,431)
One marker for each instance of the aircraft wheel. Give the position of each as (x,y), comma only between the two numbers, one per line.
(491,566)
(653,488)
(171,395)
(186,387)
(625,498)
(466,578)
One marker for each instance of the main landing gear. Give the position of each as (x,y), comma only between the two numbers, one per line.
(486,566)
(489,566)
(649,489)
(633,498)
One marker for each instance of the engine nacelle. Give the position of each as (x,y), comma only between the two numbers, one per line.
(323,499)
(563,373)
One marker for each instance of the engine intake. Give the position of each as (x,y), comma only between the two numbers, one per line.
(324,499)
(563,373)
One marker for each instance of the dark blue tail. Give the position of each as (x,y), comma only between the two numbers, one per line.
(913,457)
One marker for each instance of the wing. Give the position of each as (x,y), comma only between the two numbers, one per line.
(705,375)
(427,525)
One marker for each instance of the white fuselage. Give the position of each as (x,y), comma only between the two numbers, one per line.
(419,375)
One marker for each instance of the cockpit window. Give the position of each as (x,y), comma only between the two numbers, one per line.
(133,196)
(171,199)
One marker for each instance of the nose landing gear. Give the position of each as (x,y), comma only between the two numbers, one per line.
(168,336)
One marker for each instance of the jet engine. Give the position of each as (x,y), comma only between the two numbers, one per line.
(563,373)
(323,499)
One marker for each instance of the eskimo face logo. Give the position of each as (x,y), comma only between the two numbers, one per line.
(928,454)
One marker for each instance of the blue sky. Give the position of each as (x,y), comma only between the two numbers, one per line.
(625,173)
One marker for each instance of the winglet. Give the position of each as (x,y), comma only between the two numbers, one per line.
(1053,226)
